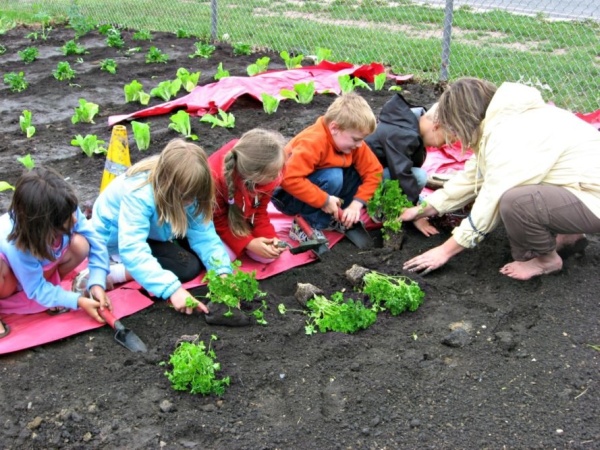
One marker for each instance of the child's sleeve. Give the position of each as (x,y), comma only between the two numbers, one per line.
(205,242)
(98,256)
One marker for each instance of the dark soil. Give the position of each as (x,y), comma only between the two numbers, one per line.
(520,374)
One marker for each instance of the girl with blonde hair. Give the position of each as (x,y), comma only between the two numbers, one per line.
(157,217)
(246,172)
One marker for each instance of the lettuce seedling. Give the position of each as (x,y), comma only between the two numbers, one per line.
(303,92)
(85,112)
(225,120)
(182,34)
(166,89)
(5,186)
(25,123)
(141,134)
(29,54)
(73,48)
(240,49)
(270,103)
(188,80)
(104,28)
(291,62)
(348,83)
(156,56)
(108,65)
(393,293)
(203,50)
(387,203)
(337,314)
(114,39)
(260,66)
(194,368)
(323,54)
(142,35)
(221,73)
(180,122)
(63,71)
(27,161)
(134,92)
(380,81)
(2,49)
(90,144)
(16,81)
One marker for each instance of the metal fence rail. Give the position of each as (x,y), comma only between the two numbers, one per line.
(553,42)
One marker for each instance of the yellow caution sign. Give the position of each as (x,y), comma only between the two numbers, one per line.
(117,158)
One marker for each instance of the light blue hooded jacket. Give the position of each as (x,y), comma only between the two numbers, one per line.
(125,215)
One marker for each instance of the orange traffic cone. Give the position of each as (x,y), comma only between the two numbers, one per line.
(117,157)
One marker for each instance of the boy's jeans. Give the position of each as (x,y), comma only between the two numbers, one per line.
(337,181)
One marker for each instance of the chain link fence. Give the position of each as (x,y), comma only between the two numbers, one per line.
(553,44)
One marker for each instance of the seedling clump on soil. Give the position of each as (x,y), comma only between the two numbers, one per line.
(141,134)
(85,112)
(90,144)
(29,54)
(393,293)
(261,65)
(224,119)
(109,65)
(73,48)
(323,54)
(166,89)
(156,56)
(303,93)
(25,124)
(234,288)
(63,71)
(203,50)
(114,39)
(291,62)
(337,314)
(27,161)
(221,73)
(16,81)
(188,80)
(270,103)
(180,122)
(388,203)
(134,92)
(194,368)
(348,83)
(142,35)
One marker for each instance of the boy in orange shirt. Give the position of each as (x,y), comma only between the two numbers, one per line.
(330,167)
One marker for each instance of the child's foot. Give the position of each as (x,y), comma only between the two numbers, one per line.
(4,329)
(525,270)
(57,311)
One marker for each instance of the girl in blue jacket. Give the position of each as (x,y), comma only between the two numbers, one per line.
(157,217)
(43,237)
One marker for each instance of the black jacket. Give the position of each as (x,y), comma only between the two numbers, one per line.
(398,143)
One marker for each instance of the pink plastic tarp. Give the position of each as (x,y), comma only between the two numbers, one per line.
(221,94)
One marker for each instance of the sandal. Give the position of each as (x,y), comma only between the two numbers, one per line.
(6,329)
(56,311)
(80,283)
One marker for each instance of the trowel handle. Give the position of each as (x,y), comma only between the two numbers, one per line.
(305,226)
(110,319)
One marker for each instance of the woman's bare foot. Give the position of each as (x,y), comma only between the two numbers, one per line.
(525,270)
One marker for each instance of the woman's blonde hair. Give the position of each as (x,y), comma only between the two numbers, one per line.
(351,112)
(179,175)
(462,108)
(257,158)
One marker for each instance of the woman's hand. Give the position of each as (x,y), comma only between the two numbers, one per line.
(265,247)
(434,258)
(179,299)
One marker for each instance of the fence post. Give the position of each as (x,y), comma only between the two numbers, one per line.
(213,20)
(447,35)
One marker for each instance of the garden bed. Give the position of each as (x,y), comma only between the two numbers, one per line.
(519,374)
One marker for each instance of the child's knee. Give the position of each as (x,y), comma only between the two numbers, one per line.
(79,247)
(8,281)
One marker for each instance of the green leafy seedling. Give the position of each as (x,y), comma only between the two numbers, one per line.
(142,35)
(141,134)
(221,73)
(291,62)
(5,186)
(270,103)
(188,80)
(182,34)
(134,92)
(240,49)
(203,50)
(379,81)
(16,81)
(337,314)
(194,369)
(166,89)
(224,119)
(29,54)
(73,48)
(180,122)
(85,112)
(109,65)
(114,38)
(395,294)
(63,71)
(388,202)
(323,54)
(90,144)
(348,83)
(156,56)
(26,124)
(260,66)
(2,49)
(27,161)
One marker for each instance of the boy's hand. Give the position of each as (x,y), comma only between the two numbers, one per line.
(332,206)
(351,214)
(425,227)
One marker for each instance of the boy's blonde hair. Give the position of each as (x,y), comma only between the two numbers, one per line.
(179,175)
(257,157)
(351,112)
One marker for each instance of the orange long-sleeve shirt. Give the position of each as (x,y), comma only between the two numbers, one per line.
(313,149)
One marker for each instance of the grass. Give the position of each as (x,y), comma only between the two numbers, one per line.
(495,45)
